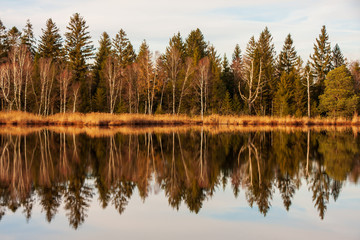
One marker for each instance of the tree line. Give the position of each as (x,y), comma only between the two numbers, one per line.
(66,74)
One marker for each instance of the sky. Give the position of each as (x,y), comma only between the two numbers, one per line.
(224,23)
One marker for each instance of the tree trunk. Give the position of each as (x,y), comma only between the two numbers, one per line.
(308,93)
(173,85)
(201,101)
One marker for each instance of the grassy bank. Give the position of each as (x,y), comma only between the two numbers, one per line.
(112,120)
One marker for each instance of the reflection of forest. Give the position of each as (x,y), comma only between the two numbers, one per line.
(52,168)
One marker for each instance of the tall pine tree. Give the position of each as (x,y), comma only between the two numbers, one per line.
(227,77)
(78,50)
(4,43)
(14,37)
(28,38)
(50,44)
(338,58)
(98,88)
(283,96)
(178,42)
(287,57)
(196,46)
(123,49)
(321,61)
(236,71)
(216,89)
(300,90)
(266,55)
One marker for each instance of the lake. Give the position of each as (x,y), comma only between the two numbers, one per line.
(178,183)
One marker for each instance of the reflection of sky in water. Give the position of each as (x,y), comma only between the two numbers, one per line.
(222,217)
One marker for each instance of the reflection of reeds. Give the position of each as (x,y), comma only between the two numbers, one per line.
(97,131)
(107,119)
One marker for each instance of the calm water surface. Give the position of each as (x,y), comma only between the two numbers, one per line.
(191,184)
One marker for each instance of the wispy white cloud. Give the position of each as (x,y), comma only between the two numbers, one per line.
(224,23)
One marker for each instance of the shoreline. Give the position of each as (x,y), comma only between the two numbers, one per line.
(17,118)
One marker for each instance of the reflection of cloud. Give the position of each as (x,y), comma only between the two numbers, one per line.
(224,23)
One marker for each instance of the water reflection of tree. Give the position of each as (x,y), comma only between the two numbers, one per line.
(320,186)
(77,195)
(50,199)
(189,167)
(336,154)
(288,153)
(258,182)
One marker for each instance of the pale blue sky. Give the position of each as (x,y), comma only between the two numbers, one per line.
(223,23)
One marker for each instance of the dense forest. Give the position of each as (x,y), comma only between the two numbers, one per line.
(66,74)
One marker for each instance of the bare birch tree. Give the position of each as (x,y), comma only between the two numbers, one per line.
(173,67)
(5,85)
(145,71)
(20,62)
(189,70)
(201,82)
(251,85)
(16,79)
(130,76)
(64,81)
(47,75)
(162,79)
(112,74)
(28,77)
(308,85)
(75,87)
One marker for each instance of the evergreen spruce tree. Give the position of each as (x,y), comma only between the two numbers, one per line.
(339,98)
(266,56)
(216,89)
(28,38)
(4,43)
(195,46)
(98,88)
(299,103)
(321,61)
(226,105)
(50,44)
(237,53)
(300,89)
(236,104)
(338,58)
(13,37)
(251,51)
(179,44)
(79,49)
(287,57)
(123,49)
(282,100)
(236,71)
(227,77)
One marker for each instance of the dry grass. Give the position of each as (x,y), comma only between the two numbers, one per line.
(110,120)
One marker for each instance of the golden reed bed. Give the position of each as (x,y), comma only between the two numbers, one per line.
(110,120)
(104,124)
